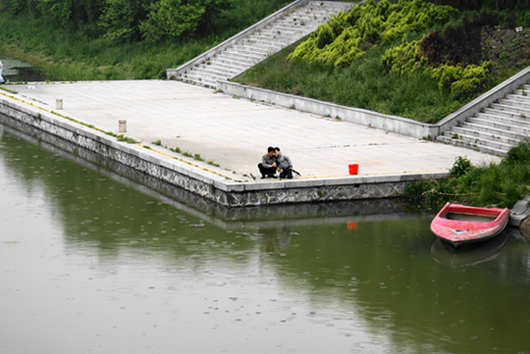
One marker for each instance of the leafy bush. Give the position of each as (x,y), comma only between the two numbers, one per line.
(127,21)
(171,18)
(403,59)
(345,38)
(447,74)
(176,18)
(473,79)
(500,185)
(461,166)
(460,81)
(519,154)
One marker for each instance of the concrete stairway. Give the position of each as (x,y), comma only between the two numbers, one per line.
(236,56)
(496,128)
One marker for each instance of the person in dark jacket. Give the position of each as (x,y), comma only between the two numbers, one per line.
(285,165)
(267,166)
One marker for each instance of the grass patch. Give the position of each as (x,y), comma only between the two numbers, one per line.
(80,50)
(126,139)
(211,162)
(363,84)
(488,185)
(8,90)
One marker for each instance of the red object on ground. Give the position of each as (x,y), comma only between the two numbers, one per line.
(352,225)
(460,225)
(353,169)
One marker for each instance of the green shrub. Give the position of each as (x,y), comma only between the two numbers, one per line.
(446,74)
(519,154)
(487,185)
(460,167)
(462,82)
(403,59)
(345,38)
(473,78)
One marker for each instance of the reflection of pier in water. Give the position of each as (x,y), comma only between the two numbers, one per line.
(350,213)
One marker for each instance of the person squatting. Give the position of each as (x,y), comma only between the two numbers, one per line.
(274,161)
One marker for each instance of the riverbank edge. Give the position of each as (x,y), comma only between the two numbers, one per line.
(202,181)
(207,210)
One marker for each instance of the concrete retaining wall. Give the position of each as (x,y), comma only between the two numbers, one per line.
(219,215)
(68,135)
(355,115)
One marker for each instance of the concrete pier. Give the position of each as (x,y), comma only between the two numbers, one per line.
(209,143)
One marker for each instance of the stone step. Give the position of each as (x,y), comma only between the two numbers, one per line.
(500,129)
(287,30)
(278,32)
(484,145)
(510,109)
(497,128)
(519,95)
(255,47)
(505,115)
(273,40)
(194,80)
(301,22)
(457,142)
(211,73)
(228,66)
(209,70)
(492,134)
(499,121)
(277,43)
(260,46)
(239,58)
(242,54)
(209,78)
(513,102)
(490,143)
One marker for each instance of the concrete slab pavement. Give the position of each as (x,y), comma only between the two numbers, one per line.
(234,133)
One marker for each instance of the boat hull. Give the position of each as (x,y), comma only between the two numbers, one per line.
(461,225)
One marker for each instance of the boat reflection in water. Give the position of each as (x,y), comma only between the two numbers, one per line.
(476,253)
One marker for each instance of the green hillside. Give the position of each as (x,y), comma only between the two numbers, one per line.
(416,59)
(408,58)
(120,39)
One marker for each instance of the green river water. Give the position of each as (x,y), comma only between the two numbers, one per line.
(92,263)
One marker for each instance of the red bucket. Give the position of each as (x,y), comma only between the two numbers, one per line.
(353,169)
(352,225)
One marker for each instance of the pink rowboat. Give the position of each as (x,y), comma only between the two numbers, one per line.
(460,225)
